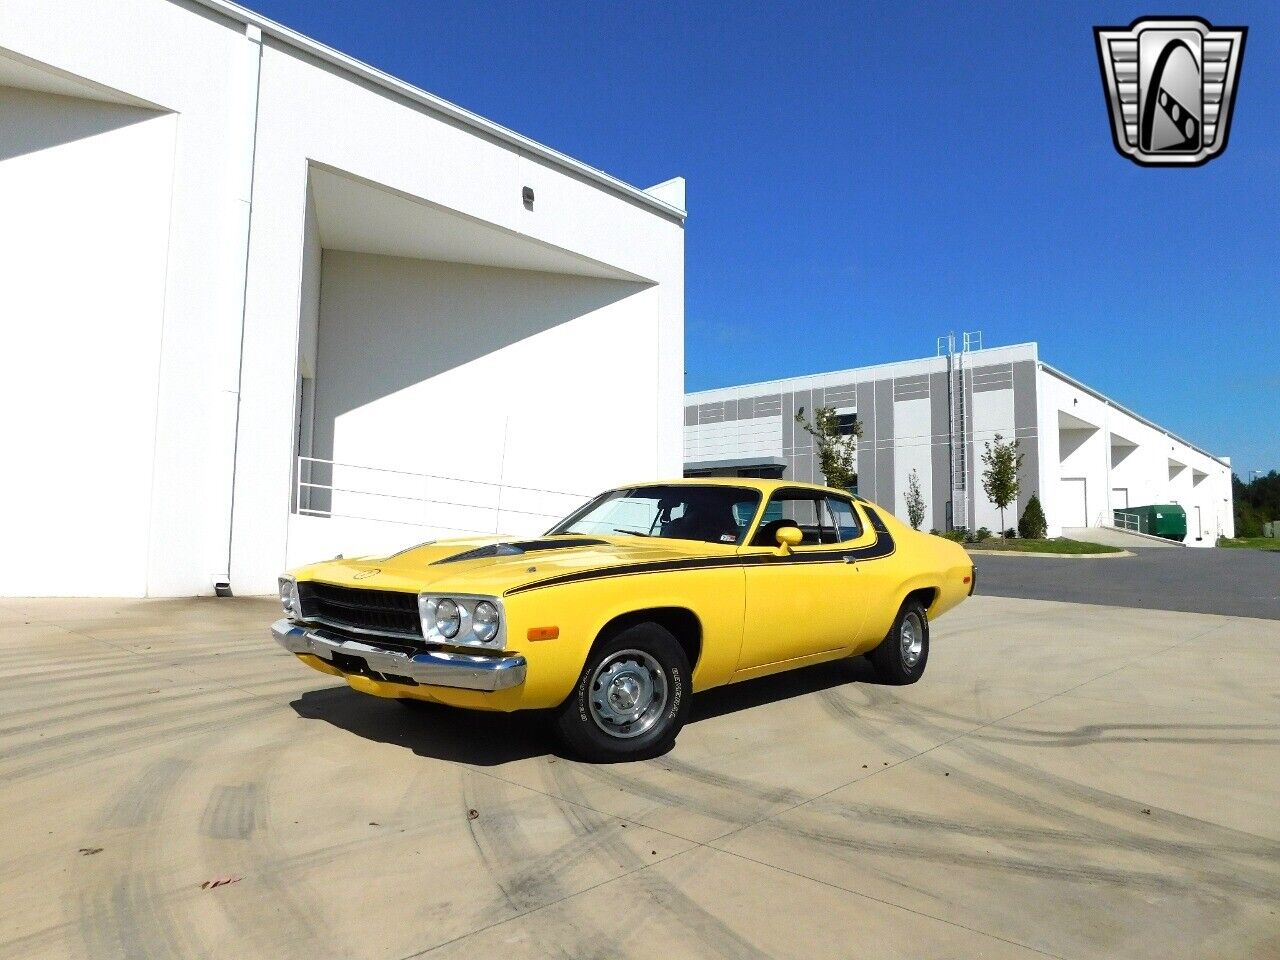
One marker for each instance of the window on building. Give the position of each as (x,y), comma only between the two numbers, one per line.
(848,423)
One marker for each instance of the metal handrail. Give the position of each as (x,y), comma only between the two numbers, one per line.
(1125,520)
(436,476)
(305,485)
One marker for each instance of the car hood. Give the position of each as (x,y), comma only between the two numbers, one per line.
(493,565)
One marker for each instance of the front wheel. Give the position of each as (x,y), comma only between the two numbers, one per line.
(631,699)
(903,653)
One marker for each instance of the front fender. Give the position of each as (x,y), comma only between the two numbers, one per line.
(582,610)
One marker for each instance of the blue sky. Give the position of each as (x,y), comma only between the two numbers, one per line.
(865,177)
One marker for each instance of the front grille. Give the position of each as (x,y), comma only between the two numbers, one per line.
(387,611)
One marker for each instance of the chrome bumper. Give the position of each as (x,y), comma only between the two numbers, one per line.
(437,668)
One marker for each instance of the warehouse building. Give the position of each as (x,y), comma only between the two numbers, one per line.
(1085,455)
(264,303)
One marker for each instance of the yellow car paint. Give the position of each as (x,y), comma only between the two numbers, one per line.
(760,610)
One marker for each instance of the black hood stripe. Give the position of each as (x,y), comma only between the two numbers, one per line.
(883,546)
(515,548)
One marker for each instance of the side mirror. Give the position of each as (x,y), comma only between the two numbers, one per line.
(788,537)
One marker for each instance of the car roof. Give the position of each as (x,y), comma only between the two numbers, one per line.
(751,483)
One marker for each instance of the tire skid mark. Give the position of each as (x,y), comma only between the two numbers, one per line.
(128,919)
(233,812)
(727,813)
(107,733)
(128,662)
(713,932)
(773,796)
(43,719)
(1201,852)
(529,884)
(142,800)
(236,822)
(840,709)
(1151,882)
(124,914)
(1037,839)
(139,736)
(1089,827)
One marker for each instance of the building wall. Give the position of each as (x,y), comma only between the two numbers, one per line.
(905,412)
(1082,455)
(238,119)
(1097,457)
(85,190)
(442,369)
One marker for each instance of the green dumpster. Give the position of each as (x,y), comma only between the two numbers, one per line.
(1166,520)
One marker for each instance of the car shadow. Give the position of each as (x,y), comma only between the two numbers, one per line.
(489,739)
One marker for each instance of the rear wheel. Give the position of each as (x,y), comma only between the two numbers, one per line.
(631,698)
(903,653)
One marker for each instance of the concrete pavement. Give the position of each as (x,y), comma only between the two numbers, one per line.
(1067,781)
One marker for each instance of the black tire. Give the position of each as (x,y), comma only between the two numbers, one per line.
(895,662)
(646,657)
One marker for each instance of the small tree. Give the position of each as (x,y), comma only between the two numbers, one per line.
(1000,478)
(1033,526)
(836,448)
(915,500)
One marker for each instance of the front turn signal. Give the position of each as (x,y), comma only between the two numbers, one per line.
(544,633)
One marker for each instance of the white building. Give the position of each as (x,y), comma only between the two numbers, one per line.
(226,246)
(1085,455)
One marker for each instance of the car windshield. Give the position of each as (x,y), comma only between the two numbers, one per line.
(676,511)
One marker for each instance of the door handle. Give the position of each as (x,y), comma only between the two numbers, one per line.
(848,559)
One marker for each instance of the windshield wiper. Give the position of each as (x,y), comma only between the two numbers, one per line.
(634,533)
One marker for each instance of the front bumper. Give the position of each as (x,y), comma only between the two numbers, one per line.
(438,668)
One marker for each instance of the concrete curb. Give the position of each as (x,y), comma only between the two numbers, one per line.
(1059,556)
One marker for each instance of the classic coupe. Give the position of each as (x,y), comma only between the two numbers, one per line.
(643,596)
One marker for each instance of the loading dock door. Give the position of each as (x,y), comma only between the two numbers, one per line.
(1075,512)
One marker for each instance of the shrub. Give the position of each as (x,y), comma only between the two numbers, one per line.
(1010,534)
(958,535)
(1033,526)
(983,535)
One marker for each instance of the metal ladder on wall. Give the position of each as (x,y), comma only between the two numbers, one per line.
(958,421)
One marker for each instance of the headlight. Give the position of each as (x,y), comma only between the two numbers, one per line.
(448,618)
(484,621)
(290,602)
(462,620)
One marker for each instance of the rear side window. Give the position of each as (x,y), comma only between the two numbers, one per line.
(807,509)
(844,518)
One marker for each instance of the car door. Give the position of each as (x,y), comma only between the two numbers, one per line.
(807,602)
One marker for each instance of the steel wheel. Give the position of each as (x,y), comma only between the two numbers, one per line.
(627,693)
(904,651)
(911,640)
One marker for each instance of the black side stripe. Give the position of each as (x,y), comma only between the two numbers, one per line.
(883,546)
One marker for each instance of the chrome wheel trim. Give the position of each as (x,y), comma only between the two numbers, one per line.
(911,640)
(627,693)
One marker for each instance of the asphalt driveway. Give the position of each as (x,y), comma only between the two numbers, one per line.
(1067,781)
(1231,582)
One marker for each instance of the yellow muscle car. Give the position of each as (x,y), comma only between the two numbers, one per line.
(643,596)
